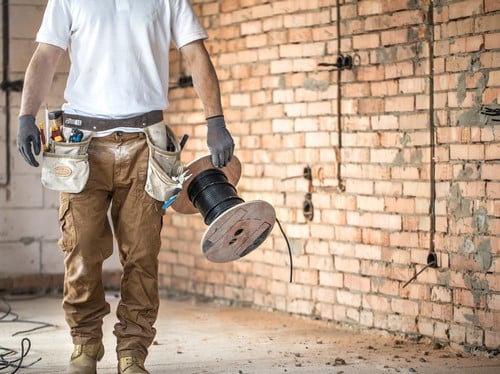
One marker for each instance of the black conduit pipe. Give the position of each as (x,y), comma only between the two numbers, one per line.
(431,257)
(5,88)
(432,261)
(340,184)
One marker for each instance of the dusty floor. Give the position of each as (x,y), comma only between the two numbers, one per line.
(197,337)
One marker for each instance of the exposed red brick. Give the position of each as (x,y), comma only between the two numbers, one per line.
(365,242)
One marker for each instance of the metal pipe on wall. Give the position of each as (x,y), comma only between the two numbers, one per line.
(5,78)
(432,261)
(7,86)
(431,257)
(338,155)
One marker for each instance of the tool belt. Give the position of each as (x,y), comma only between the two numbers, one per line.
(102,124)
(165,170)
(65,163)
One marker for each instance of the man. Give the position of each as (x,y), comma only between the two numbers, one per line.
(117,85)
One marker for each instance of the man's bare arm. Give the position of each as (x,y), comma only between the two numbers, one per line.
(206,84)
(38,78)
(37,81)
(205,80)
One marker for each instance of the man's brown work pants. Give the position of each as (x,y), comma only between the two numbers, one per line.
(118,168)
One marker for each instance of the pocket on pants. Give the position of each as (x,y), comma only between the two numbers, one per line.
(67,239)
(164,166)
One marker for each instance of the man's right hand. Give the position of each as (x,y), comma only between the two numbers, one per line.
(28,134)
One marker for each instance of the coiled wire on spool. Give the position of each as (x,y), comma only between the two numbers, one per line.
(212,194)
(235,227)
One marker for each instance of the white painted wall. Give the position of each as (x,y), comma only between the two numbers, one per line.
(29,227)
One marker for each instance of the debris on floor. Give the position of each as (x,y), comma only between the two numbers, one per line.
(202,337)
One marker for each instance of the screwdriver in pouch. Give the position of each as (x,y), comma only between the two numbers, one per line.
(75,136)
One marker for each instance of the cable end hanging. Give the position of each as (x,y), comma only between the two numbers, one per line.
(289,249)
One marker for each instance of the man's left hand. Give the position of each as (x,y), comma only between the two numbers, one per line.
(219,141)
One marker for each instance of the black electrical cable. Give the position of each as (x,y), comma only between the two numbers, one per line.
(289,249)
(6,361)
(17,319)
(212,194)
(18,362)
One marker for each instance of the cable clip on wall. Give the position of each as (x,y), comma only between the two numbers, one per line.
(342,62)
(235,227)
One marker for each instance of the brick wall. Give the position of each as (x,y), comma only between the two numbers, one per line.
(400,109)
(364,243)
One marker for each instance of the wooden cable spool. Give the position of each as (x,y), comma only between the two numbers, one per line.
(236,227)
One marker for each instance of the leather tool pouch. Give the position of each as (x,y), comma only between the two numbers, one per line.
(65,166)
(165,171)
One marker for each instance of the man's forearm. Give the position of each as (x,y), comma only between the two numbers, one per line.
(38,79)
(205,80)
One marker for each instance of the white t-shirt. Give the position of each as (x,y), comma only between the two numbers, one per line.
(119,51)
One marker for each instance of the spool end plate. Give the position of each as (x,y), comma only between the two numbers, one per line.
(232,170)
(238,231)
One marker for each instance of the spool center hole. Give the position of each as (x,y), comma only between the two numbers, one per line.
(235,236)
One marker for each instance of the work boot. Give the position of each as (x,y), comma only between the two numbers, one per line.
(131,365)
(84,358)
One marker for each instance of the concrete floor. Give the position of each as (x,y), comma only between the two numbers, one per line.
(197,337)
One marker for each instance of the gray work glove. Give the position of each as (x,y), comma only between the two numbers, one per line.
(28,134)
(219,141)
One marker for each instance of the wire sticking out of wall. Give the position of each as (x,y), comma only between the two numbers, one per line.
(8,359)
(431,263)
